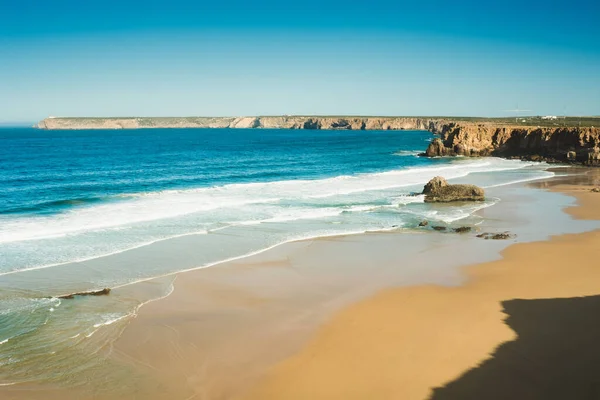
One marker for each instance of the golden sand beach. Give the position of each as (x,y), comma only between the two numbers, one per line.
(524,327)
(351,318)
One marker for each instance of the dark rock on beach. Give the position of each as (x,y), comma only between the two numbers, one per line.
(101,292)
(496,236)
(439,228)
(438,190)
(462,229)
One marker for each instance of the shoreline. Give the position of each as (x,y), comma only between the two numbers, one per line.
(250,254)
(204,295)
(454,342)
(183,307)
(111,257)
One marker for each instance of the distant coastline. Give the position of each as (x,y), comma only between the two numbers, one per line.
(305,122)
(574,140)
(265,122)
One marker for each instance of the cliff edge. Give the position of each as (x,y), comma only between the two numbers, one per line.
(579,145)
(277,122)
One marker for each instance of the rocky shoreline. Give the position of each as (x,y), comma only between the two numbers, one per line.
(575,145)
(470,138)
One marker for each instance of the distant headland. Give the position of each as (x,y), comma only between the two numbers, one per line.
(302,122)
(542,138)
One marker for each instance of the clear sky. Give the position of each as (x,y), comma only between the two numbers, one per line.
(243,57)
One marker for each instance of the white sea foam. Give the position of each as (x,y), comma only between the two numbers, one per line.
(89,335)
(164,296)
(403,200)
(168,204)
(300,214)
(92,257)
(459,214)
(543,175)
(106,216)
(142,219)
(23,304)
(246,255)
(408,153)
(111,319)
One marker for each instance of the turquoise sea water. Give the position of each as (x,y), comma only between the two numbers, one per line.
(71,200)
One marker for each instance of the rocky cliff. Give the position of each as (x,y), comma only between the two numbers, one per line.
(553,144)
(283,122)
(137,123)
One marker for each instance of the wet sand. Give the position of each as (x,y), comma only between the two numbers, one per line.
(293,322)
(518,328)
(223,327)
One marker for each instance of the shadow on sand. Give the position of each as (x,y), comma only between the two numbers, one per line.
(555,356)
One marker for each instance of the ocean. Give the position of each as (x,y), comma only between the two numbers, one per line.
(72,200)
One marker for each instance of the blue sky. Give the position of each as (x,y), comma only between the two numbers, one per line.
(159,58)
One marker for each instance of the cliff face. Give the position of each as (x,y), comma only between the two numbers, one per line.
(284,122)
(137,123)
(553,144)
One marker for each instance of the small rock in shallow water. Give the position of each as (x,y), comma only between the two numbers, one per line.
(423,223)
(463,229)
(101,292)
(439,228)
(496,236)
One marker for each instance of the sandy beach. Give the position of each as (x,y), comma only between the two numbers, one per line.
(287,324)
(299,201)
(380,315)
(522,327)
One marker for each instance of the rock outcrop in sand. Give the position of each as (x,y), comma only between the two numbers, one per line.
(438,190)
(100,292)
